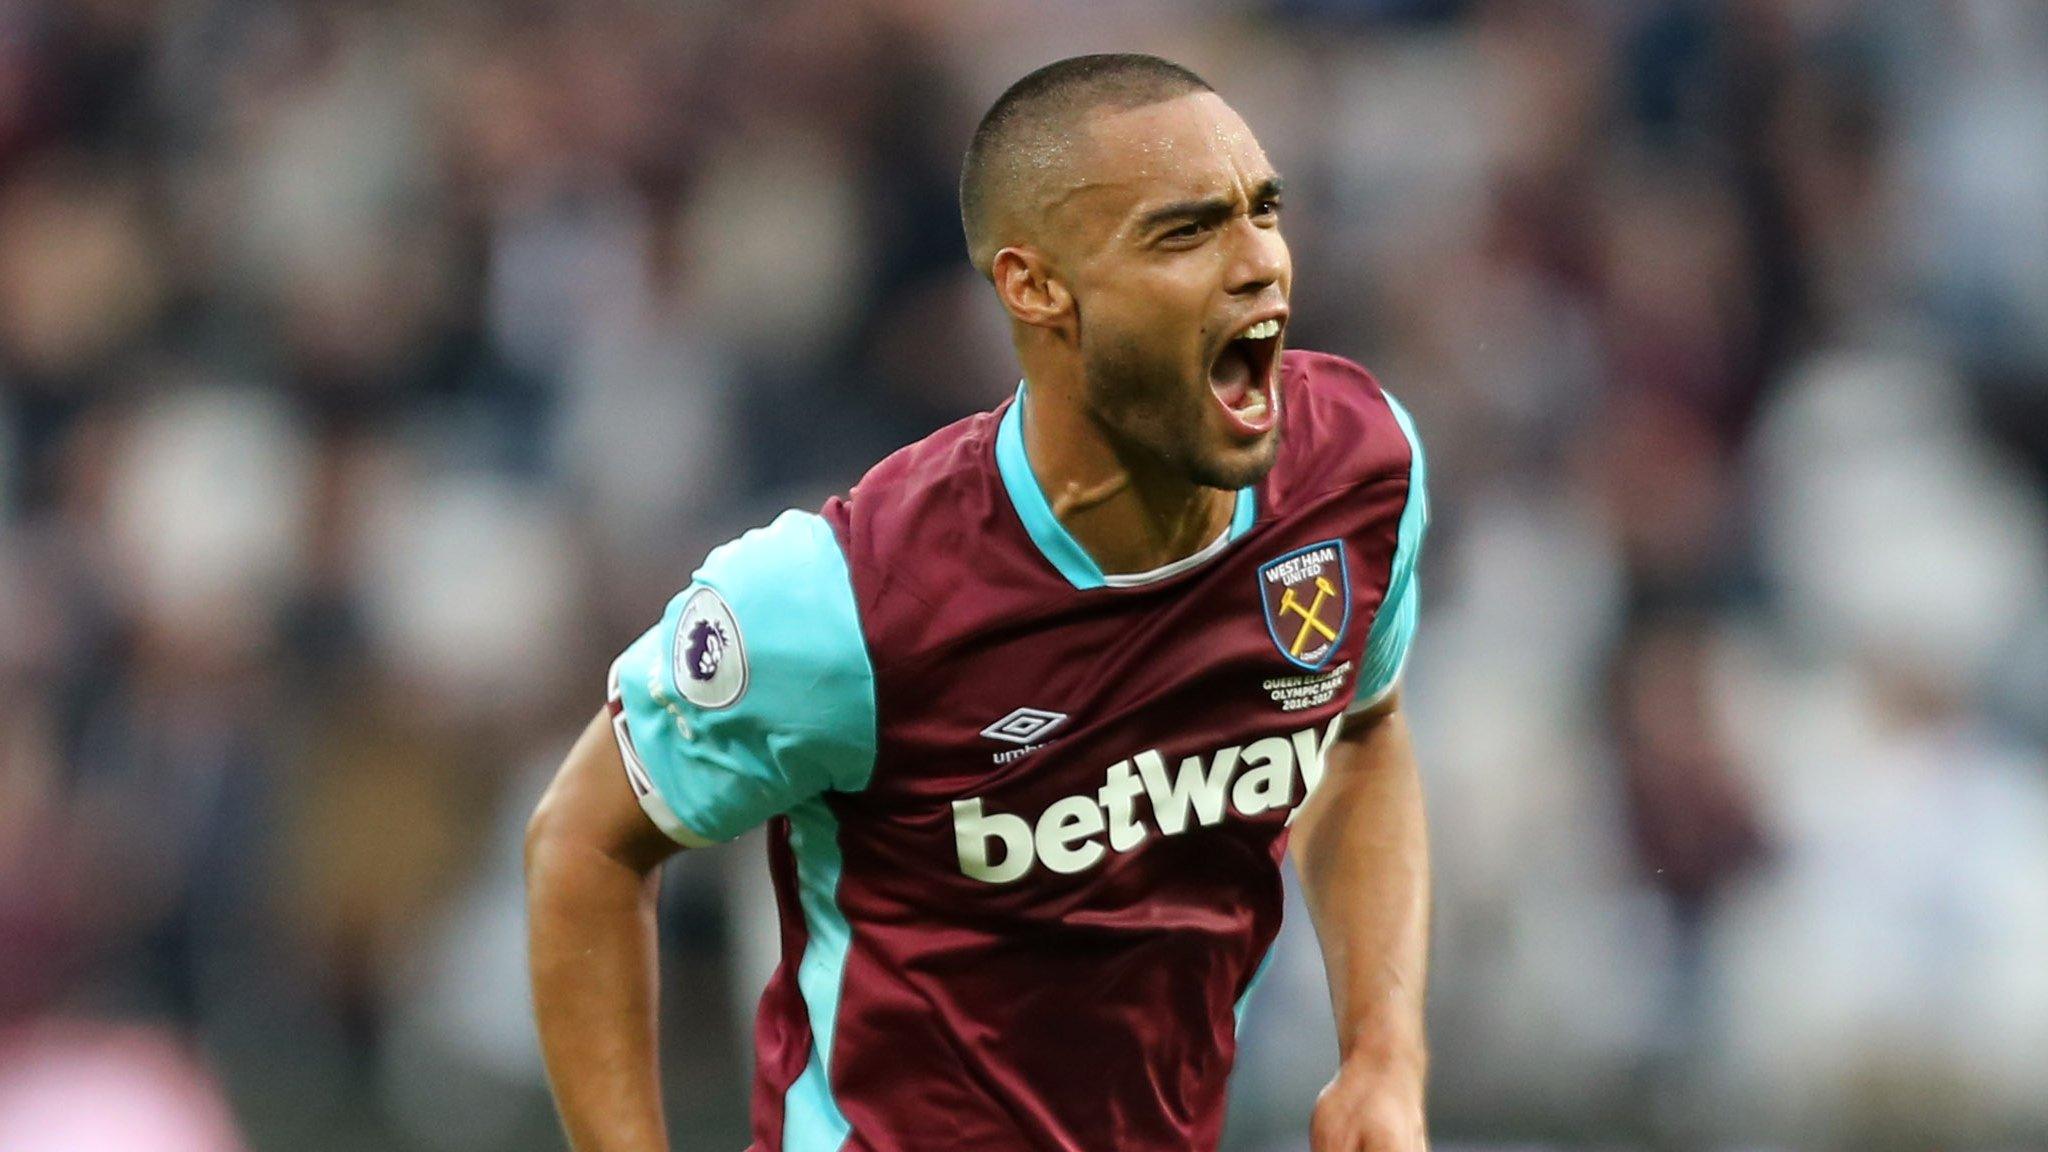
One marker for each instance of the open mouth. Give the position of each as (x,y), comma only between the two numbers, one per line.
(1245,378)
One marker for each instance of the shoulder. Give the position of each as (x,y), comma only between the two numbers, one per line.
(795,551)
(946,467)
(753,691)
(765,615)
(1341,428)
(930,500)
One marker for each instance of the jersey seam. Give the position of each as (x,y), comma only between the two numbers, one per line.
(1408,494)
(867,653)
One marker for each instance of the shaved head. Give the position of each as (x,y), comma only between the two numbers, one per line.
(1129,223)
(1026,137)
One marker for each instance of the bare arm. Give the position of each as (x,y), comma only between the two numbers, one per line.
(1362,851)
(592,868)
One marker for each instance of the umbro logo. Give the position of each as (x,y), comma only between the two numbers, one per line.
(1024,726)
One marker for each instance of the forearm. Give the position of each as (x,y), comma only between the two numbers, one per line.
(1362,853)
(591,950)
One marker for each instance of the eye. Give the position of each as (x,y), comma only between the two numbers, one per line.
(1267,207)
(1189,231)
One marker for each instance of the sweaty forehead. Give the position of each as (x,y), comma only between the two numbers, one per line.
(1188,147)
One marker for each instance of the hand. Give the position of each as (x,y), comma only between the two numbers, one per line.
(1366,1111)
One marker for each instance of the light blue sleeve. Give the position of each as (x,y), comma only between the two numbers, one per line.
(1393,627)
(754,692)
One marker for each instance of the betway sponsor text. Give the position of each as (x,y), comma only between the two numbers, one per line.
(1074,833)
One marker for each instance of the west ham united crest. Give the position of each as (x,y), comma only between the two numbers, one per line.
(1307,597)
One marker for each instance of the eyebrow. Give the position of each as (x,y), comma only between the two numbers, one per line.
(1207,209)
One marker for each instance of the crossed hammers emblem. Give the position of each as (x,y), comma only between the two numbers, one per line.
(1310,621)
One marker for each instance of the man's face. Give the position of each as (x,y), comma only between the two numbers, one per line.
(1171,245)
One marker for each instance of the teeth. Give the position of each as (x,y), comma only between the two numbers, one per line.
(1263,330)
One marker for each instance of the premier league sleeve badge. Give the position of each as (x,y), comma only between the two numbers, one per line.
(710,659)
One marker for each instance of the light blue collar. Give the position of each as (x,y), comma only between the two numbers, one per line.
(1059,546)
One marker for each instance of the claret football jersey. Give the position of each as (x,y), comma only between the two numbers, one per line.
(1026,820)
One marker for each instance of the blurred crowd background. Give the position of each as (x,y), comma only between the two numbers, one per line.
(371,371)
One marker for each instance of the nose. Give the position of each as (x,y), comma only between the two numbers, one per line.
(1259,259)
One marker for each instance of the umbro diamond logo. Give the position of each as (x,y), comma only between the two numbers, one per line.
(1024,726)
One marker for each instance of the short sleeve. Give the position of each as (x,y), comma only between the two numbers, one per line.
(1393,627)
(754,692)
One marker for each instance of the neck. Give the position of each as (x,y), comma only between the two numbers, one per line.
(1130,512)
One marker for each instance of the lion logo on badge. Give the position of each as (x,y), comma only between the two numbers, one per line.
(710,659)
(705,649)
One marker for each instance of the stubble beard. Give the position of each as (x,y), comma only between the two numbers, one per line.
(1148,410)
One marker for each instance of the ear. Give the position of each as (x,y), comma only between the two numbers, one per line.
(1030,289)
